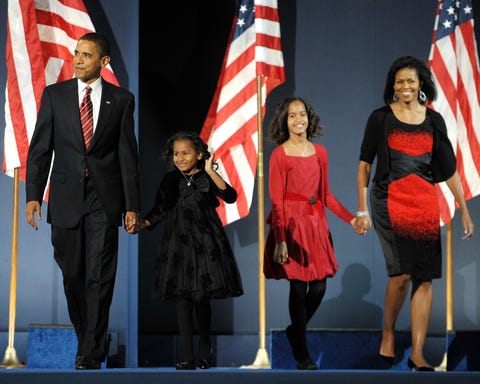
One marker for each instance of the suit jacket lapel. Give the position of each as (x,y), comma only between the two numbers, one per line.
(106,105)
(71,103)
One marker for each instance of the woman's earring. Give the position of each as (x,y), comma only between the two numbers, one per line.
(422,96)
(395,96)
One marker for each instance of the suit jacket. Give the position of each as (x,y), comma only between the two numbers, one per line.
(112,158)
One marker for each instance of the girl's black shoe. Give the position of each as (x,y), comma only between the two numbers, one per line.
(204,363)
(185,366)
(307,365)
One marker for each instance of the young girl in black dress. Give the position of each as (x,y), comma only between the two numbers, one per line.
(196,262)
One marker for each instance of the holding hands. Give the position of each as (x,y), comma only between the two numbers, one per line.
(131,222)
(361,223)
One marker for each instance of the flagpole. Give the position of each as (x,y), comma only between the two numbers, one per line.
(262,360)
(10,359)
(448,293)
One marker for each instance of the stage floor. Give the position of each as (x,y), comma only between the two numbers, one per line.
(231,376)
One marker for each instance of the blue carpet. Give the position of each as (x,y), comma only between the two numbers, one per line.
(338,349)
(52,346)
(358,349)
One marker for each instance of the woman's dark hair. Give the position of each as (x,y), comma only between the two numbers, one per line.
(198,143)
(423,72)
(279,126)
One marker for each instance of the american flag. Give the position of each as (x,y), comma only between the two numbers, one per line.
(41,38)
(254,49)
(454,63)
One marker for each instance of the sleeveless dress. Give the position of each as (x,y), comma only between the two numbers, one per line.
(405,210)
(196,259)
(299,193)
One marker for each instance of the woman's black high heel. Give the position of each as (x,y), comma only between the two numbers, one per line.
(388,360)
(416,368)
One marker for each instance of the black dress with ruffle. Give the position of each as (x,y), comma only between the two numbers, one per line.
(196,259)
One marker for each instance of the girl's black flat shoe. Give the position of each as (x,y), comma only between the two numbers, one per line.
(307,365)
(204,363)
(185,366)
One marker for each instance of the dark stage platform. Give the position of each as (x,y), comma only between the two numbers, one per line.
(232,376)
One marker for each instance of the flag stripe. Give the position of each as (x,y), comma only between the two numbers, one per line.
(41,38)
(455,66)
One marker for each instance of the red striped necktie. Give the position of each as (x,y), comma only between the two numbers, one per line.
(86,116)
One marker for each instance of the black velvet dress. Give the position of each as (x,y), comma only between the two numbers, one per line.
(196,260)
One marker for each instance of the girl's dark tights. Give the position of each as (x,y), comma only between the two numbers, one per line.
(185,317)
(304,299)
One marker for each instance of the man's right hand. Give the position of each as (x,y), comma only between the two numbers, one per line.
(33,207)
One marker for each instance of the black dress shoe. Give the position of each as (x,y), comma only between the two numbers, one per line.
(307,365)
(185,366)
(416,368)
(86,364)
(78,359)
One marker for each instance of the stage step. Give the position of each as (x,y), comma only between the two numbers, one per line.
(358,349)
(55,346)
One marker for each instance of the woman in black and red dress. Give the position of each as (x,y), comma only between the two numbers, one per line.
(413,152)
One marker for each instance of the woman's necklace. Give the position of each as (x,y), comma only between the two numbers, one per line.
(188,179)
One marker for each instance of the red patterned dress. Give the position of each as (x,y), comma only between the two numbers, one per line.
(404,205)
(300,194)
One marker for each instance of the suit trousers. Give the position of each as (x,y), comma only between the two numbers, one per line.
(87,256)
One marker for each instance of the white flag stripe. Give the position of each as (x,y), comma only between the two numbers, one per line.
(268,27)
(57,36)
(69,14)
(235,86)
(234,122)
(240,45)
(10,144)
(53,70)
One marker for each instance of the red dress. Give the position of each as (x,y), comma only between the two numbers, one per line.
(299,193)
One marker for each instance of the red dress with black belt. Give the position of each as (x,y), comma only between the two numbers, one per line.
(299,193)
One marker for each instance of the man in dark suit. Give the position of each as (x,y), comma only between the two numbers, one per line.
(91,186)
